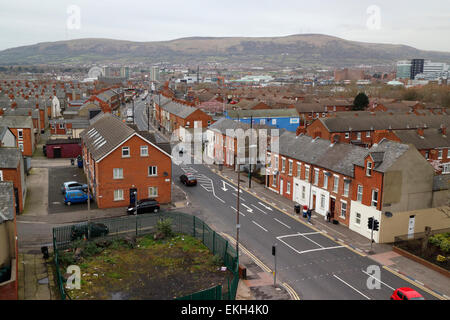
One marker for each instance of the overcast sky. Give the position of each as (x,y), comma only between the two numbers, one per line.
(418,23)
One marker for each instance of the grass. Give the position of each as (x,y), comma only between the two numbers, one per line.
(147,269)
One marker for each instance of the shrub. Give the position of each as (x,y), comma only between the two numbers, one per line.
(441,240)
(164,227)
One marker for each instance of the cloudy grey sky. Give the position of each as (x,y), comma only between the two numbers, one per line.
(418,23)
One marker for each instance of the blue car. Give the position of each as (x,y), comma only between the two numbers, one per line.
(76,196)
(73,185)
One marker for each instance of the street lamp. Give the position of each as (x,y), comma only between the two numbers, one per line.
(136,209)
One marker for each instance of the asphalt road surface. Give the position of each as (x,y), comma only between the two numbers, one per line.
(315,266)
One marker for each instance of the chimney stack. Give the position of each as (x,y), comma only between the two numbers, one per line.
(420,131)
(443,130)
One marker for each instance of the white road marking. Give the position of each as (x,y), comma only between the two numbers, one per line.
(239,211)
(259,209)
(351,287)
(378,280)
(282,223)
(248,208)
(260,226)
(263,205)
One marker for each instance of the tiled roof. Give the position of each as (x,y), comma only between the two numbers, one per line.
(9,158)
(432,138)
(6,201)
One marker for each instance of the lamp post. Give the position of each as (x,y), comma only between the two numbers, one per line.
(136,210)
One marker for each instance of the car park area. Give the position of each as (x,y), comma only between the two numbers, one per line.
(56,177)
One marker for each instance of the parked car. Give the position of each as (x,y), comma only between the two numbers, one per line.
(188,179)
(406,294)
(81,229)
(76,196)
(144,206)
(73,185)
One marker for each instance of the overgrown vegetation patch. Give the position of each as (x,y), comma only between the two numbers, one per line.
(160,267)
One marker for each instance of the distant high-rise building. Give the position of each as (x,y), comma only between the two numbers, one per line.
(404,69)
(435,70)
(416,67)
(125,72)
(154,73)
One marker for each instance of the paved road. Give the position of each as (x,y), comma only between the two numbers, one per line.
(315,266)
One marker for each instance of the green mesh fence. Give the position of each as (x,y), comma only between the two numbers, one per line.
(146,224)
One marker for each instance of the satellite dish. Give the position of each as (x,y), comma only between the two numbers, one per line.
(388,214)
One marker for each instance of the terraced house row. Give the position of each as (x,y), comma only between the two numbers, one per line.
(351,182)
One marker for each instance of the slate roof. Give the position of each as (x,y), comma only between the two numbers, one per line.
(9,157)
(383,122)
(12,121)
(105,134)
(6,201)
(337,157)
(432,138)
(385,154)
(223,124)
(178,109)
(263,113)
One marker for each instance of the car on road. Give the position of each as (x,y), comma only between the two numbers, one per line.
(76,196)
(406,294)
(144,206)
(96,230)
(73,185)
(188,179)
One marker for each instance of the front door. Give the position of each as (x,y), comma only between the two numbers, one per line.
(56,152)
(281,186)
(133,192)
(16,195)
(314,202)
(332,207)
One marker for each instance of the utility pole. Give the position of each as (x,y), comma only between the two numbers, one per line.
(249,154)
(237,205)
(274,253)
(89,199)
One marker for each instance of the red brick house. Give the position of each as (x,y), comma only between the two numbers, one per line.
(118,161)
(23,129)
(12,169)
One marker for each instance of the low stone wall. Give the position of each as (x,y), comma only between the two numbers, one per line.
(421,261)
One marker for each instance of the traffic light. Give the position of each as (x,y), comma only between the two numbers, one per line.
(370,223)
(376,225)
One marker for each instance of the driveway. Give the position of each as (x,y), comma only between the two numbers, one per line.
(58,175)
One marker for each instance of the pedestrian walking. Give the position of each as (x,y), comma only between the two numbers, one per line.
(328,216)
(309,213)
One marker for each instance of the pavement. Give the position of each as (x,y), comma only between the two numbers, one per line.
(381,253)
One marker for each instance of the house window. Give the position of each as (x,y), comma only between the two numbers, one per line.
(336,184)
(322,201)
(61,125)
(283,164)
(274,121)
(427,155)
(346,187)
(307,173)
(358,218)
(288,187)
(144,151)
(20,133)
(118,195)
(152,192)
(358,136)
(274,181)
(1,175)
(276,163)
(343,209)
(125,152)
(290,167)
(20,143)
(446,168)
(118,173)
(347,135)
(368,134)
(299,169)
(374,198)
(294,120)
(359,196)
(303,192)
(262,121)
(152,171)
(325,180)
(369,169)
(440,154)
(316,177)
(448,153)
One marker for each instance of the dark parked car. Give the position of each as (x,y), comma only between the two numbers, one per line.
(80,230)
(188,179)
(144,206)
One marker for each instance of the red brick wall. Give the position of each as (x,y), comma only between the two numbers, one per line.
(135,174)
(369,183)
(27,145)
(14,176)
